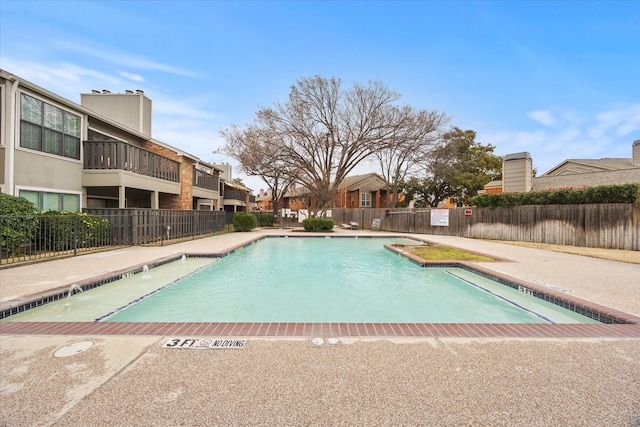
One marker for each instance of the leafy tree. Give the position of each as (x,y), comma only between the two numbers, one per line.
(238,181)
(321,133)
(458,167)
(422,191)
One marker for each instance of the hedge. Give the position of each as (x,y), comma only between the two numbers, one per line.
(266,219)
(18,223)
(62,230)
(626,193)
(317,224)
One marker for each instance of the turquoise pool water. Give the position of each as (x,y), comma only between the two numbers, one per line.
(306,280)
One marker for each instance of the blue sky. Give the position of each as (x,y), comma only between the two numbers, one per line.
(557,79)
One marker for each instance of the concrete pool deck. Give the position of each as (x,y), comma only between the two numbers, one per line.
(132,380)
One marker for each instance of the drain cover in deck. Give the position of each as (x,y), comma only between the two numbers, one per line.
(73,349)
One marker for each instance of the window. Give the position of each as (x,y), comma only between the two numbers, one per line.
(49,129)
(46,201)
(365,200)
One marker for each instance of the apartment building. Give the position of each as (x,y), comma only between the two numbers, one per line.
(264,200)
(234,197)
(362,191)
(98,154)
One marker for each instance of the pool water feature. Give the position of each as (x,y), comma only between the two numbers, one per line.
(308,280)
(96,303)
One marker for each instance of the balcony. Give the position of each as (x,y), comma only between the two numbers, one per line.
(232,194)
(116,155)
(202,179)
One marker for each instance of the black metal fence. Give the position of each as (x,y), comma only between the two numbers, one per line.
(32,238)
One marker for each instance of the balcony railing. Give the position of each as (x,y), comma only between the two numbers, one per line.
(202,179)
(232,194)
(123,156)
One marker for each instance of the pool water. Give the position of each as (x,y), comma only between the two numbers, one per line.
(333,280)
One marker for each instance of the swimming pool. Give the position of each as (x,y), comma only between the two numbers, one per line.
(312,280)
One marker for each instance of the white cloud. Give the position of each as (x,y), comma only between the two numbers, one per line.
(113,56)
(605,134)
(185,107)
(570,134)
(67,80)
(131,76)
(621,122)
(542,116)
(516,141)
(630,121)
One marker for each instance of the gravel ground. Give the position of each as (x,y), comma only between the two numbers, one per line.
(430,382)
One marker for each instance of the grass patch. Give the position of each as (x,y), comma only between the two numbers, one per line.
(302,230)
(442,253)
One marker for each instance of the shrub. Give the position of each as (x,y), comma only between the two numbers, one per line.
(243,221)
(62,230)
(317,224)
(18,223)
(266,219)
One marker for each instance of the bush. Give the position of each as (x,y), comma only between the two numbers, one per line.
(18,223)
(317,224)
(243,221)
(62,230)
(266,219)
(626,193)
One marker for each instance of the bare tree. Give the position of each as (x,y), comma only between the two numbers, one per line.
(322,132)
(409,144)
(258,154)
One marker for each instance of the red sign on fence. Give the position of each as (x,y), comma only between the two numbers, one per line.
(467,212)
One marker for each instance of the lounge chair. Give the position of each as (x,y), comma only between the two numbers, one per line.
(354,225)
(345,226)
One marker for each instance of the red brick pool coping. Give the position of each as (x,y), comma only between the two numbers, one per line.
(442,330)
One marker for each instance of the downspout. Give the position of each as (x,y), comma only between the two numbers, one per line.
(11,144)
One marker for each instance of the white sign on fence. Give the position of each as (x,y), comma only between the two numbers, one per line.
(440,217)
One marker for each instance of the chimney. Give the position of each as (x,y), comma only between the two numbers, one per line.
(635,157)
(131,111)
(517,173)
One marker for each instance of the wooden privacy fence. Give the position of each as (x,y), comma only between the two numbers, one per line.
(615,226)
(145,226)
